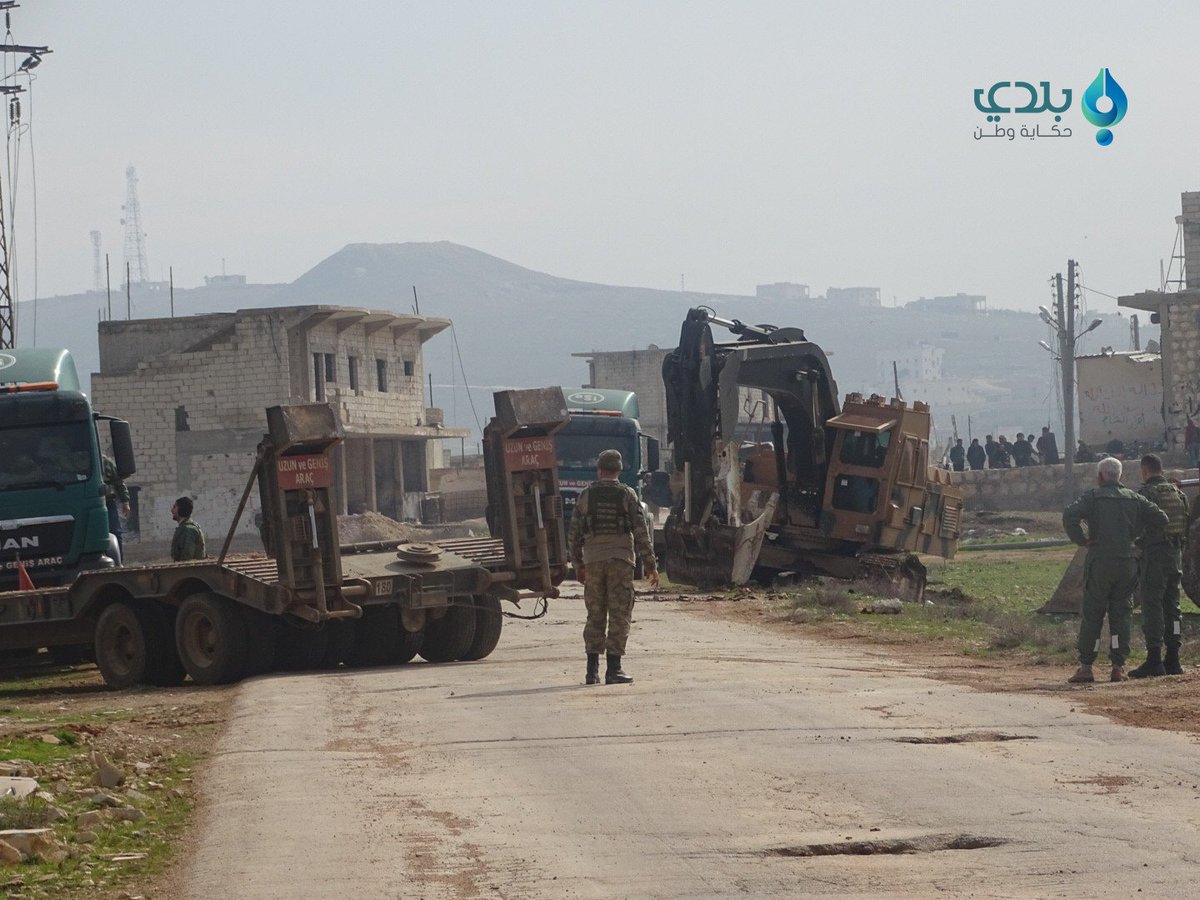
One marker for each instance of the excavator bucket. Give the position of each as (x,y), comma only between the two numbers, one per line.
(714,555)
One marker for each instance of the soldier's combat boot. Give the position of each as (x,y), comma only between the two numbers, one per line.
(1083,675)
(1171,664)
(614,675)
(1152,667)
(1118,674)
(593,668)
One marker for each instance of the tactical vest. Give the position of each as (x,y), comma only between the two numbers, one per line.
(607,512)
(1172,501)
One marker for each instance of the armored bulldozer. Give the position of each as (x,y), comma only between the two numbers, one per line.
(773,475)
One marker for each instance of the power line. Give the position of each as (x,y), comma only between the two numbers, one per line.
(466,381)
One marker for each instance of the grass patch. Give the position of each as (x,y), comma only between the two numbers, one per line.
(32,812)
(35,750)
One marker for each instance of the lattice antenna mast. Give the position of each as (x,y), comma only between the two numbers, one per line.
(135,238)
(8,312)
(97,262)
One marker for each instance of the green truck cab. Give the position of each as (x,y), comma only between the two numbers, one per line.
(602,419)
(53,518)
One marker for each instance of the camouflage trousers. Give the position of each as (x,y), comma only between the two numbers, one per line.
(1108,586)
(1161,573)
(608,596)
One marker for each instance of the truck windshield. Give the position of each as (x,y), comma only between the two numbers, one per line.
(51,455)
(580,443)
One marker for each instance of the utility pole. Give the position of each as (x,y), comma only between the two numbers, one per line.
(1063,323)
(128,298)
(108,286)
(8,311)
(1067,338)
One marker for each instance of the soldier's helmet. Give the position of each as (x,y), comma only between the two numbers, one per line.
(610,461)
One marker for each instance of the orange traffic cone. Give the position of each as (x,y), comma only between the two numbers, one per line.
(24,582)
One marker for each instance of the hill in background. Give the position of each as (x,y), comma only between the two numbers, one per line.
(518,327)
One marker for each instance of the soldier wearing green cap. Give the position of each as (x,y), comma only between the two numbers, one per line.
(608,534)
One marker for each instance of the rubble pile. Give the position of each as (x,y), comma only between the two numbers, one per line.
(371,526)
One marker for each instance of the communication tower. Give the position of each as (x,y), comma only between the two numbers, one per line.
(135,238)
(97,263)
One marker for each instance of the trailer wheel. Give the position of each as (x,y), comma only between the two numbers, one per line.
(261,641)
(339,646)
(449,637)
(407,645)
(301,648)
(376,638)
(163,665)
(210,634)
(120,646)
(488,623)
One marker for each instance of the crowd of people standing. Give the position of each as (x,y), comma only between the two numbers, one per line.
(1001,454)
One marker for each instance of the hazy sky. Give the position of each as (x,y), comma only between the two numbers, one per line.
(627,143)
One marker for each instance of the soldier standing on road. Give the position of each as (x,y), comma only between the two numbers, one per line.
(1116,517)
(116,494)
(606,529)
(1161,572)
(188,541)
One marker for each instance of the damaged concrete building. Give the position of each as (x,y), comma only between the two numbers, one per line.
(1177,313)
(194,390)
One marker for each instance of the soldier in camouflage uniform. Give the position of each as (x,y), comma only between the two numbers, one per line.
(1116,518)
(1161,572)
(188,540)
(606,529)
(116,498)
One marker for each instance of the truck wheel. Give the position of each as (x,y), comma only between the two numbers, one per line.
(339,646)
(120,646)
(376,637)
(301,648)
(211,637)
(448,638)
(488,623)
(261,641)
(163,665)
(407,645)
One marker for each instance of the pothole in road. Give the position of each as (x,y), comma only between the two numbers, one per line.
(971,737)
(929,843)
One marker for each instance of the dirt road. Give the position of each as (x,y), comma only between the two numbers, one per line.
(740,762)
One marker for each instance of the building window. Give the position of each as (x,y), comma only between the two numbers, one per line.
(353,363)
(381,374)
(331,368)
(410,368)
(319,376)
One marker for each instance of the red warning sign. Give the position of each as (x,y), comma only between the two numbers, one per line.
(525,454)
(300,472)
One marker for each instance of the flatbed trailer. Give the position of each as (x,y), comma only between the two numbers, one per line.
(311,602)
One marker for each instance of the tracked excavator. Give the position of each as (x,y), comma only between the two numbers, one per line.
(773,475)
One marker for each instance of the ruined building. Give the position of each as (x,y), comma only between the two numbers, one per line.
(1178,315)
(194,390)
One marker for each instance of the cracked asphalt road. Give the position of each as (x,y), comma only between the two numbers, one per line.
(735,756)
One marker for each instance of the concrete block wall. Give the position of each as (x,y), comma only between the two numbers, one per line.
(639,371)
(1038,488)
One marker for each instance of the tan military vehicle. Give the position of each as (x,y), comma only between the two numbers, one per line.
(843,490)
